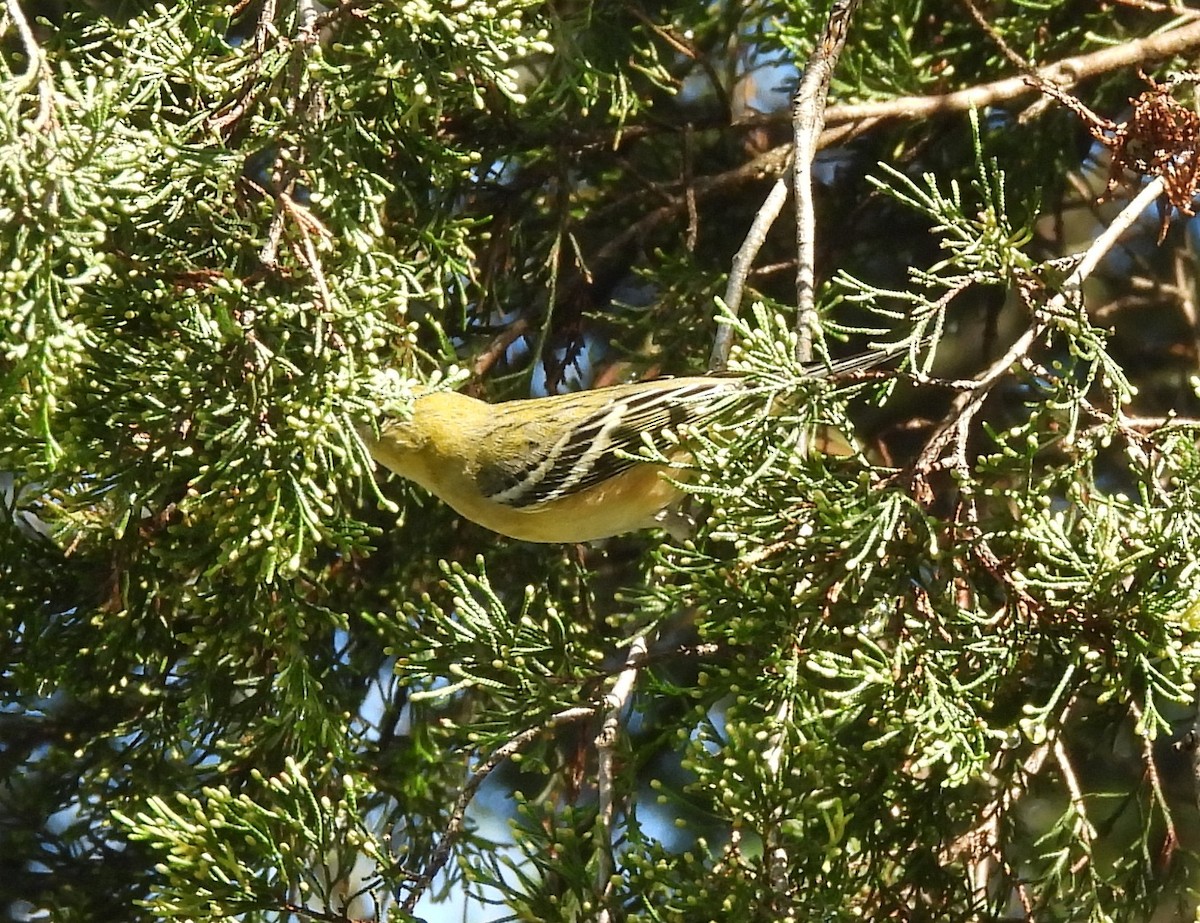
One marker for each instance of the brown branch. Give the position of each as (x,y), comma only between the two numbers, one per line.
(808,107)
(808,120)
(693,214)
(966,404)
(312,913)
(606,745)
(306,253)
(347,8)
(250,92)
(32,49)
(1150,424)
(1084,828)
(1065,73)
(1185,288)
(491,354)
(997,39)
(269,253)
(1190,744)
(1170,834)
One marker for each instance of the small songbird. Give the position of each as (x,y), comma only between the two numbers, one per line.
(558,469)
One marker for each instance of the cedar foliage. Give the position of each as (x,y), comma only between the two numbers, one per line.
(241,679)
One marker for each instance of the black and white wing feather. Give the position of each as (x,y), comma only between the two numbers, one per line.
(593,448)
(561,455)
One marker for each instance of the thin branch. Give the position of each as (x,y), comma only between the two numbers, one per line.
(347,8)
(1150,424)
(606,744)
(307,252)
(739,271)
(32,50)
(1185,279)
(1127,217)
(965,405)
(454,826)
(981,845)
(492,353)
(693,225)
(37,70)
(1150,6)
(778,860)
(808,120)
(312,913)
(1065,73)
(1083,826)
(1170,834)
(1005,49)
(1190,744)
(269,254)
(845,121)
(251,90)
(773,755)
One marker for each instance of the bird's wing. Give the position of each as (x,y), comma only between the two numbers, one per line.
(592,448)
(591,451)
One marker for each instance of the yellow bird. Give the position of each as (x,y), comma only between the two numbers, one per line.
(557,469)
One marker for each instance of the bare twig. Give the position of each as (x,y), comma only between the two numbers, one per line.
(1190,744)
(1149,424)
(1124,220)
(776,854)
(773,755)
(304,912)
(606,745)
(689,191)
(981,845)
(454,826)
(739,271)
(1005,49)
(808,120)
(1170,834)
(346,8)
(491,354)
(32,50)
(307,253)
(37,70)
(1083,826)
(966,404)
(1065,73)
(269,254)
(686,47)
(250,92)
